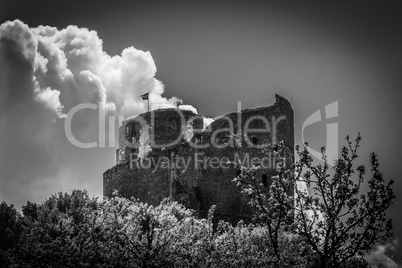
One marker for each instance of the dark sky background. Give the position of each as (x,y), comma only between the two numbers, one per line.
(213,55)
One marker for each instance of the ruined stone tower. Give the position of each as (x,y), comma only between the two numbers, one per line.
(170,153)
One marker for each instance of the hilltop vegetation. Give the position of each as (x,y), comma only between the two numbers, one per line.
(75,230)
(335,227)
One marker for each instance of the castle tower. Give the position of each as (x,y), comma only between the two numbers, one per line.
(169,153)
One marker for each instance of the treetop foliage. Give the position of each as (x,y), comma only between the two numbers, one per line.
(338,221)
(329,222)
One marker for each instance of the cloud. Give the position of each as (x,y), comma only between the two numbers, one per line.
(188,108)
(50,99)
(379,256)
(207,121)
(44,73)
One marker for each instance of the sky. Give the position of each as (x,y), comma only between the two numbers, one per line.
(209,55)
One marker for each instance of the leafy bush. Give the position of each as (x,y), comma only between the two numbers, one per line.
(76,230)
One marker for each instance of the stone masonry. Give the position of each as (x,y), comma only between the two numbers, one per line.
(169,153)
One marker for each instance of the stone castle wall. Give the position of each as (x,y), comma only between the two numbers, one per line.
(157,167)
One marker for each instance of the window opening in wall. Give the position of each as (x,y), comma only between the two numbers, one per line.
(254,140)
(264,179)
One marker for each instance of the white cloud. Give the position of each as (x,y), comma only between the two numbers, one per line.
(378,257)
(94,89)
(44,73)
(23,37)
(188,108)
(51,99)
(207,121)
(73,61)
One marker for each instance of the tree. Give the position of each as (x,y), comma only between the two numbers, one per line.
(275,216)
(62,231)
(338,220)
(75,230)
(352,222)
(10,230)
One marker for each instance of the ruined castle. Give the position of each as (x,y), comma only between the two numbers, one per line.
(170,153)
